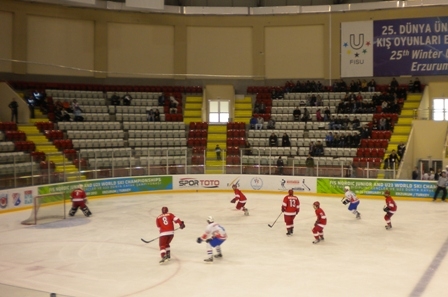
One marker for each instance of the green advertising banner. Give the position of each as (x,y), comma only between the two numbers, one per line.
(417,189)
(113,186)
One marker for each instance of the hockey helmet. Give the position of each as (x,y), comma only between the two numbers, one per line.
(80,186)
(210,219)
(386,193)
(347,188)
(164,210)
(316,204)
(234,186)
(290,192)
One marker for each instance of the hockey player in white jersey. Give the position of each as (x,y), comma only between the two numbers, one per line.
(214,236)
(353,201)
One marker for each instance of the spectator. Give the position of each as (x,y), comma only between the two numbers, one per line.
(161,100)
(262,107)
(285,140)
(173,102)
(311,148)
(356,123)
(271,123)
(394,158)
(273,140)
(306,115)
(157,115)
(382,123)
(327,114)
(371,86)
(415,174)
(441,186)
(248,149)
(218,152)
(319,149)
(127,99)
(417,86)
(151,115)
(319,100)
(319,116)
(401,148)
(364,87)
(365,132)
(329,139)
(260,123)
(411,86)
(253,121)
(31,103)
(296,114)
(115,99)
(309,163)
(78,115)
(280,165)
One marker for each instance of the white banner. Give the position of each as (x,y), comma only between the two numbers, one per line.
(357,49)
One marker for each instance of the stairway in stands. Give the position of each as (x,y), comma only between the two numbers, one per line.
(217,134)
(243,110)
(193,109)
(43,144)
(402,128)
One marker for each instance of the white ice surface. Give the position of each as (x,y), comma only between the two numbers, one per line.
(104,256)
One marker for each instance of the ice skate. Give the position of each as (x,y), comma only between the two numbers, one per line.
(218,255)
(208,260)
(163,260)
(316,241)
(289,233)
(246,211)
(388,227)
(358,215)
(321,238)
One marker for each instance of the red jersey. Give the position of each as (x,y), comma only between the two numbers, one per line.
(291,205)
(390,203)
(165,223)
(239,195)
(78,195)
(321,217)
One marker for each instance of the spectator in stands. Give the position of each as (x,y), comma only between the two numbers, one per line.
(382,124)
(341,106)
(253,121)
(296,114)
(280,165)
(356,138)
(365,132)
(417,86)
(353,86)
(157,115)
(14,106)
(173,110)
(319,86)
(285,140)
(309,163)
(371,86)
(218,152)
(173,101)
(74,105)
(61,115)
(31,104)
(161,100)
(311,147)
(364,87)
(248,148)
(356,123)
(78,115)
(327,114)
(401,148)
(393,86)
(329,139)
(393,158)
(257,107)
(388,167)
(348,169)
(319,116)
(319,149)
(260,123)
(411,86)
(150,114)
(306,115)
(271,123)
(273,140)
(342,140)
(345,123)
(319,100)
(415,174)
(389,124)
(262,107)
(338,123)
(127,99)
(115,99)
(311,100)
(384,106)
(332,123)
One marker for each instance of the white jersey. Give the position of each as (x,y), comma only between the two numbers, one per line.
(351,197)
(214,230)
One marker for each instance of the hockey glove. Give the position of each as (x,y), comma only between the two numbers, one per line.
(344,201)
(182,225)
(233,200)
(208,240)
(199,240)
(386,209)
(283,209)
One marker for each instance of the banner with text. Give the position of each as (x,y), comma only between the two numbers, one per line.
(365,187)
(414,47)
(114,186)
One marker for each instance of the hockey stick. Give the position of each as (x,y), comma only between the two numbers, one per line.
(148,241)
(270,226)
(306,185)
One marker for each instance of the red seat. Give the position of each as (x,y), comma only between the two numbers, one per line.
(360,152)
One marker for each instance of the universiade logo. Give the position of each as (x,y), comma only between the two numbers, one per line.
(356,48)
(256,183)
(16,199)
(3,200)
(195,183)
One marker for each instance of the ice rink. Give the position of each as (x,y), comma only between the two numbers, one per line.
(104,256)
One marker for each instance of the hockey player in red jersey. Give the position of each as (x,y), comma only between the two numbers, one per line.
(241,198)
(79,199)
(321,221)
(165,223)
(290,208)
(390,208)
